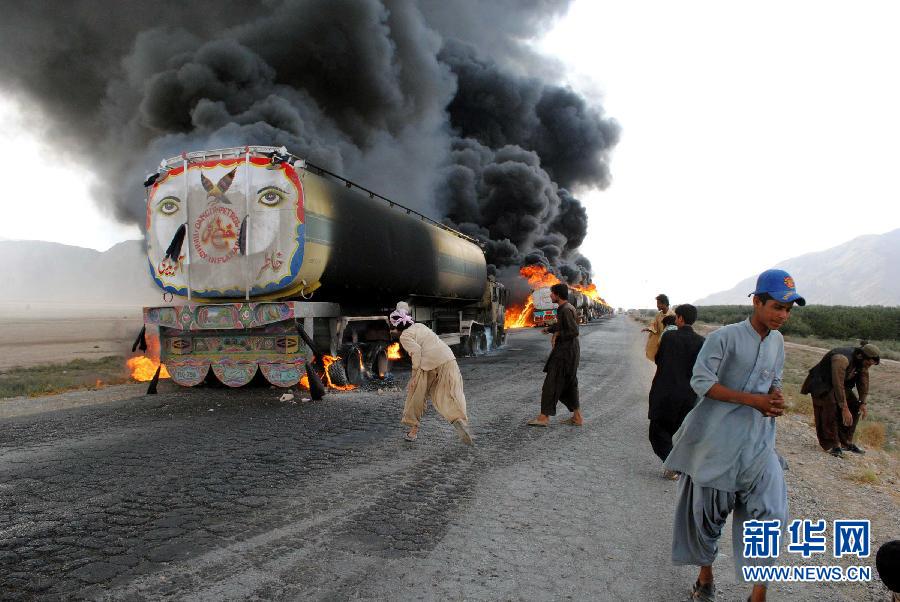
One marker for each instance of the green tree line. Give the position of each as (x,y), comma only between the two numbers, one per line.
(873,322)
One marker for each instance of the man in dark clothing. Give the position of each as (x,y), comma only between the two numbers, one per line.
(671,395)
(561,382)
(836,407)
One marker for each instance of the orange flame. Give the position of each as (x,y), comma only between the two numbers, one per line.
(519,317)
(538,276)
(393,351)
(327,360)
(143,367)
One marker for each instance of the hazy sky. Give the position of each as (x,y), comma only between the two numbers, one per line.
(44,198)
(752,132)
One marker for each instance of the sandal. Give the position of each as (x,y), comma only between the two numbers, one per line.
(572,422)
(536,422)
(703,592)
(462,430)
(409,437)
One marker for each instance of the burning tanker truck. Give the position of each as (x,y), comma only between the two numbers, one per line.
(277,263)
(544,309)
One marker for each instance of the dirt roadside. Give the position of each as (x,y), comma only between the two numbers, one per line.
(32,342)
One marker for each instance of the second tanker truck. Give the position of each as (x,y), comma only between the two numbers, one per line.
(270,257)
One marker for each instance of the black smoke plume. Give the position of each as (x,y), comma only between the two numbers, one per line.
(439,105)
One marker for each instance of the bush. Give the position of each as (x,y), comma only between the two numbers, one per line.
(867,476)
(871,434)
(873,322)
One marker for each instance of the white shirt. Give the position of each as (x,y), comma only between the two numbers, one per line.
(425,349)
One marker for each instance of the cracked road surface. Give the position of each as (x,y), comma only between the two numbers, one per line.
(229,494)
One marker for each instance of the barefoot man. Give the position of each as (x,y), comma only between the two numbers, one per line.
(561,382)
(725,448)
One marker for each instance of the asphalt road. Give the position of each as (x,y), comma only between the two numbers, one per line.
(229,494)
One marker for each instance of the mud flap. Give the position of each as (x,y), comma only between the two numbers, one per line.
(141,340)
(316,388)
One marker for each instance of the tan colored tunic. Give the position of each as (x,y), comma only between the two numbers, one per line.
(426,350)
(435,376)
(656,327)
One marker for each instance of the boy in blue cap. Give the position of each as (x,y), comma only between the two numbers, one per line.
(725,448)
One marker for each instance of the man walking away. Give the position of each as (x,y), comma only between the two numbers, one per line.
(837,408)
(561,382)
(435,376)
(725,448)
(656,326)
(671,395)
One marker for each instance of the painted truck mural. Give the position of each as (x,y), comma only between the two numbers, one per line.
(267,261)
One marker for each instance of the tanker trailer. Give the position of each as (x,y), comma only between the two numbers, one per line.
(273,258)
(589,308)
(579,301)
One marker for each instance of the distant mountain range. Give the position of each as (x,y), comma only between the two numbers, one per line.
(864,271)
(51,273)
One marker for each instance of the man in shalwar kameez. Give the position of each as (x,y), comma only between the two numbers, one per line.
(435,376)
(561,382)
(725,448)
(656,327)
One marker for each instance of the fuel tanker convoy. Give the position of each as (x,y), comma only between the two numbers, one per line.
(274,261)
(544,309)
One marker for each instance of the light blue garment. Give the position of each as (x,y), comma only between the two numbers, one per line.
(701,512)
(726,445)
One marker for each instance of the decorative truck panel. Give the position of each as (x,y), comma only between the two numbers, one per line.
(213,200)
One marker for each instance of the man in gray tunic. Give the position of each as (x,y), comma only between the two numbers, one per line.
(725,448)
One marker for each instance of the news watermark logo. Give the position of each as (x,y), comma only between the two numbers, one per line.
(806,538)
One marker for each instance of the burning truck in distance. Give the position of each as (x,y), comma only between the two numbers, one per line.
(276,260)
(538,310)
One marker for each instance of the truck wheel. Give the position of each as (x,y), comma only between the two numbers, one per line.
(337,374)
(351,357)
(476,342)
(381,365)
(495,337)
(465,346)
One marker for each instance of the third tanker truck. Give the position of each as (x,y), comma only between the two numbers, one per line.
(263,257)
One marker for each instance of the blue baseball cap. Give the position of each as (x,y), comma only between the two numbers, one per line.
(780,285)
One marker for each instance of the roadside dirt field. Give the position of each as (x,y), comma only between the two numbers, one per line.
(34,341)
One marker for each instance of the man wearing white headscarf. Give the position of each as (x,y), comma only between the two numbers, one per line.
(435,376)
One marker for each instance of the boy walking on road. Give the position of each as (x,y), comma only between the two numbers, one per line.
(725,449)
(671,395)
(561,382)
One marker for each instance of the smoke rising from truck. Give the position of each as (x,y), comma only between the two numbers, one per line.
(445,110)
